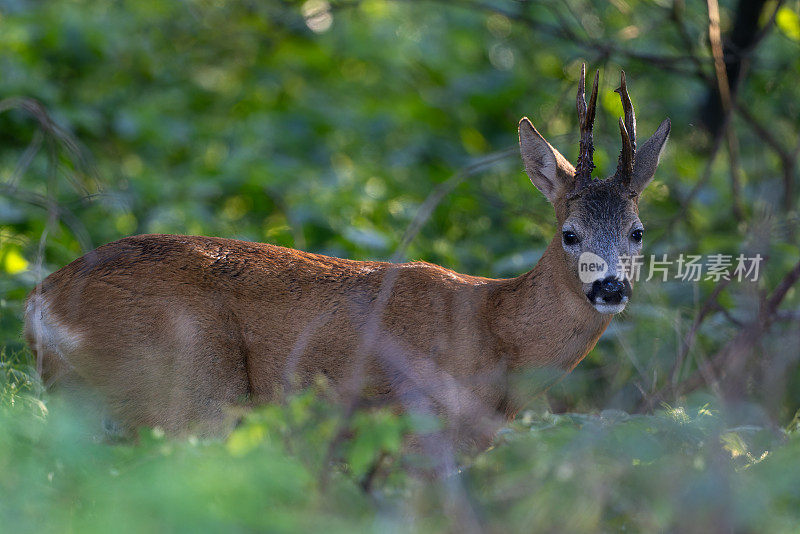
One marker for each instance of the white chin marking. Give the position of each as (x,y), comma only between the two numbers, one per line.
(609,309)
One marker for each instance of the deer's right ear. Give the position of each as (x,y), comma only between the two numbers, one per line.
(549,171)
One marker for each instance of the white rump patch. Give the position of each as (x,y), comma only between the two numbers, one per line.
(49,334)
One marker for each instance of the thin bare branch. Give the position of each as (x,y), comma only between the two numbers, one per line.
(788,157)
(709,306)
(715,36)
(59,211)
(441,191)
(733,355)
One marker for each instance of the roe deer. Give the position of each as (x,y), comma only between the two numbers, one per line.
(169,330)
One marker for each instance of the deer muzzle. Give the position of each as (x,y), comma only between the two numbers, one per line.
(610,295)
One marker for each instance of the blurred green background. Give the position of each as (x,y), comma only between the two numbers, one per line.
(326,125)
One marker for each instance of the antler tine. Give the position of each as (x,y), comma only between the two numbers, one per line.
(627,131)
(625,165)
(627,106)
(593,99)
(583,172)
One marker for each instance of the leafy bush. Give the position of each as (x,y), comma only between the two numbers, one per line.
(286,468)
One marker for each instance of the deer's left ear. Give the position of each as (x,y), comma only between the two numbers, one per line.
(648,156)
(549,171)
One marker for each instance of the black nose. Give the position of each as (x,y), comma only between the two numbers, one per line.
(611,290)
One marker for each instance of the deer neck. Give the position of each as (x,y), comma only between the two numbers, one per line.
(542,318)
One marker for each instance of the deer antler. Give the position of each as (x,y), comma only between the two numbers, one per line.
(583,170)
(627,130)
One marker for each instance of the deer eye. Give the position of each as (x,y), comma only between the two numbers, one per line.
(636,235)
(570,238)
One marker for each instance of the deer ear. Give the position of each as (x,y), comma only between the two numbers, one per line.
(648,156)
(549,171)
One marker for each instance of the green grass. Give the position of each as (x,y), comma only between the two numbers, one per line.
(680,469)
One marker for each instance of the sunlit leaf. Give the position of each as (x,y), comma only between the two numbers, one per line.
(13,262)
(788,21)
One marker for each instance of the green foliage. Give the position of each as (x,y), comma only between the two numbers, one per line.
(19,383)
(325,126)
(248,121)
(680,469)
(56,478)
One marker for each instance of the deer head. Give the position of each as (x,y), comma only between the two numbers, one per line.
(598,219)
